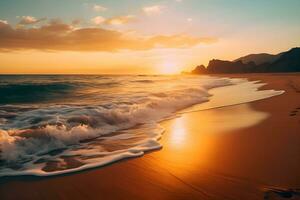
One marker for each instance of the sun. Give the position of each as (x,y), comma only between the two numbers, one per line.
(169,67)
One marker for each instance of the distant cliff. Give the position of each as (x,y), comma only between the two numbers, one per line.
(288,62)
(220,66)
(255,63)
(259,59)
(201,69)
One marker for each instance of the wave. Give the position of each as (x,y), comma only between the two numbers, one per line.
(62,138)
(143,81)
(55,150)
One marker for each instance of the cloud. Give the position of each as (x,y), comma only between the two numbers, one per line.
(98,20)
(119,20)
(99,8)
(58,36)
(151,10)
(28,20)
(3,22)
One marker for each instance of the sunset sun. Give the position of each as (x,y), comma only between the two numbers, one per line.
(169,67)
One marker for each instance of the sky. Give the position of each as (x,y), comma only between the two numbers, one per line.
(139,36)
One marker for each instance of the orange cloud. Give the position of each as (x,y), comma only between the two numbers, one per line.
(3,21)
(98,20)
(59,36)
(27,20)
(120,20)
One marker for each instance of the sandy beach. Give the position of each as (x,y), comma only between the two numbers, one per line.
(247,151)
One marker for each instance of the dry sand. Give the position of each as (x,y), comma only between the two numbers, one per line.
(213,154)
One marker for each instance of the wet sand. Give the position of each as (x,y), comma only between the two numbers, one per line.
(248,151)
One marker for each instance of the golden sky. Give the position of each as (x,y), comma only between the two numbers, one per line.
(141,37)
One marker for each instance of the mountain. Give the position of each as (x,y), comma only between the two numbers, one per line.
(259,59)
(201,69)
(288,62)
(221,66)
(255,63)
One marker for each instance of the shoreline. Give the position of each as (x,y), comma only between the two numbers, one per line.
(230,160)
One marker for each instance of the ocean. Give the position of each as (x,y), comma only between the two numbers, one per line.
(56,124)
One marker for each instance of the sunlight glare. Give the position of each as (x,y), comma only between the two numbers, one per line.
(169,67)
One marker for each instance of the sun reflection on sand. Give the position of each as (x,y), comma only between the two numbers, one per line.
(191,141)
(179,132)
